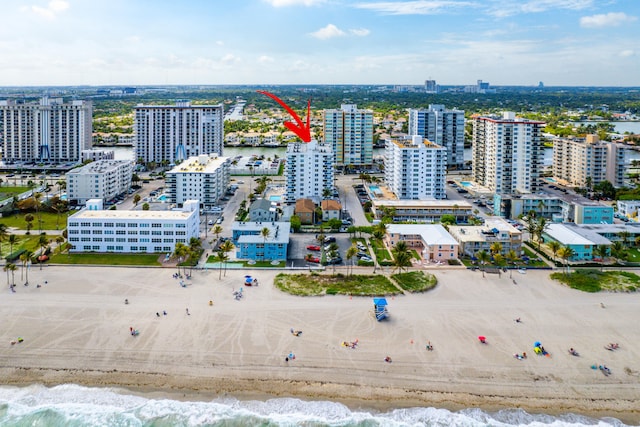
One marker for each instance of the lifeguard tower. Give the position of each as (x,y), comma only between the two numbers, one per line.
(380,308)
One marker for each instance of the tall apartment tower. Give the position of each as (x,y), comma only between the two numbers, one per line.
(507,153)
(308,170)
(415,169)
(177,132)
(349,131)
(578,160)
(46,131)
(442,127)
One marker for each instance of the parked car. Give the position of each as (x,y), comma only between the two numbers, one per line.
(329,239)
(362,254)
(313,247)
(365,259)
(314,259)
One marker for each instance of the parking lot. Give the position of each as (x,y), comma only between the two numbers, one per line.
(298,247)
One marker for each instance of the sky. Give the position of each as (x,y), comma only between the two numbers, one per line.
(260,42)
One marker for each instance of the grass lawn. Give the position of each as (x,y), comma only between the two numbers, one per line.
(8,192)
(596,281)
(49,221)
(415,281)
(106,259)
(633,255)
(29,243)
(382,254)
(325,284)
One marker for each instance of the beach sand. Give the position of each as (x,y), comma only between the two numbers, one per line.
(76,330)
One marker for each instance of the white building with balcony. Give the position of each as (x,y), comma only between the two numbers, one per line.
(96,230)
(204,178)
(308,171)
(443,127)
(415,169)
(103,179)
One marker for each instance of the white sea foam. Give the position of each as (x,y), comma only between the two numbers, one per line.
(73,405)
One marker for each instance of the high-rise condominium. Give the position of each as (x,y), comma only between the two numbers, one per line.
(308,171)
(45,131)
(442,127)
(580,160)
(507,153)
(349,131)
(176,132)
(415,169)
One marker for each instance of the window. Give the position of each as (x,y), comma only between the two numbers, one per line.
(132,225)
(121,232)
(120,224)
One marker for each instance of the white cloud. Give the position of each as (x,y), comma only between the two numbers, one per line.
(626,53)
(360,32)
(505,8)
(328,32)
(611,19)
(219,43)
(264,59)
(416,7)
(53,8)
(284,3)
(229,58)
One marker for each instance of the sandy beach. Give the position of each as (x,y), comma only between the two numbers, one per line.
(76,330)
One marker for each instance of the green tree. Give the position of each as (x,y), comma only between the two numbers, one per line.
(483,257)
(227,246)
(554,246)
(10,268)
(265,233)
(625,237)
(12,239)
(350,254)
(511,258)
(136,199)
(296,224)
(448,219)
(43,241)
(541,226)
(401,261)
(222,259)
(618,251)
(217,230)
(180,251)
(495,248)
(4,232)
(601,251)
(25,259)
(498,259)
(29,219)
(566,253)
(145,206)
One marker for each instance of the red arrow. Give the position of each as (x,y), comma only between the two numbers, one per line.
(299,128)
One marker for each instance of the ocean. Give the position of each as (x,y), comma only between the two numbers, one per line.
(71,405)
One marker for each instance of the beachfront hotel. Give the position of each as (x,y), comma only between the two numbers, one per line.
(204,178)
(46,131)
(579,160)
(475,238)
(308,171)
(94,229)
(442,127)
(431,241)
(415,169)
(507,153)
(253,245)
(176,132)
(104,179)
(349,131)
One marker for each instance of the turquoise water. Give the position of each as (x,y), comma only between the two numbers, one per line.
(551,180)
(466,184)
(374,188)
(163,198)
(275,198)
(73,405)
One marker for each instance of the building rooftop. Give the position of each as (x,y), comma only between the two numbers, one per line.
(404,203)
(100,166)
(489,231)
(568,234)
(330,205)
(135,215)
(431,234)
(200,164)
(278,231)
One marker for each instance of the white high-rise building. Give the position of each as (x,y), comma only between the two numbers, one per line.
(415,169)
(46,131)
(349,132)
(443,127)
(308,170)
(204,178)
(507,153)
(103,179)
(577,161)
(176,132)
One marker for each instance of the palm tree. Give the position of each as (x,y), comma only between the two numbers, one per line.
(12,268)
(13,239)
(265,233)
(554,246)
(541,226)
(4,232)
(351,252)
(495,248)
(43,241)
(222,258)
(625,236)
(498,259)
(62,185)
(618,251)
(511,258)
(227,246)
(601,251)
(7,268)
(401,261)
(25,258)
(483,257)
(29,219)
(531,226)
(566,253)
(180,251)
(36,199)
(217,230)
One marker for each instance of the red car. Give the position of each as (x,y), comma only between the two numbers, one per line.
(313,247)
(313,259)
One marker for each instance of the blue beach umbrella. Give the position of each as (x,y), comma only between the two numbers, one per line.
(537,344)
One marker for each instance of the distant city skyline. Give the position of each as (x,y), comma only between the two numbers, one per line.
(455,42)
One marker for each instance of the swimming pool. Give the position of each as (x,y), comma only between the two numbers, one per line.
(375,190)
(163,198)
(275,198)
(551,180)
(466,184)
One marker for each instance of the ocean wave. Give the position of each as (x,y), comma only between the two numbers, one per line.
(73,405)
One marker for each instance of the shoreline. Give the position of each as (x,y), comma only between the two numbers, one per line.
(76,330)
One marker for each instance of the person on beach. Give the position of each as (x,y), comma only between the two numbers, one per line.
(387,359)
(188,314)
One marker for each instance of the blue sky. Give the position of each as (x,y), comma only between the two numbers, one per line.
(137,42)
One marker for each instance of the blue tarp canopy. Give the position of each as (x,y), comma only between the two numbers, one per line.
(380,301)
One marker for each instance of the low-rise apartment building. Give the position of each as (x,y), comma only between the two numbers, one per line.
(431,241)
(473,239)
(103,179)
(204,178)
(252,244)
(427,211)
